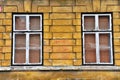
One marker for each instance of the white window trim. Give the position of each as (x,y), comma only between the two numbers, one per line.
(96,21)
(109,31)
(27,22)
(27,32)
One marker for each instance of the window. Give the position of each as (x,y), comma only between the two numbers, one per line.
(97,38)
(27,39)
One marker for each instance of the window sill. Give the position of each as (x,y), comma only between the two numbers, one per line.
(90,68)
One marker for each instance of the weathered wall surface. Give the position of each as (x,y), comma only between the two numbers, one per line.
(62,36)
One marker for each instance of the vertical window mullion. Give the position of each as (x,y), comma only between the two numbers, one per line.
(27,22)
(97,48)
(27,48)
(111,53)
(96,22)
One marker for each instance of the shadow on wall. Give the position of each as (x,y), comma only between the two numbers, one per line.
(60,75)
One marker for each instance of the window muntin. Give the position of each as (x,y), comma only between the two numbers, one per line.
(97,39)
(27,40)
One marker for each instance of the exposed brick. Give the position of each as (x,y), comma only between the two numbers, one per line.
(7,55)
(10,8)
(2,29)
(8,29)
(116,28)
(7,22)
(117,55)
(46,28)
(62,48)
(47,63)
(2,42)
(62,42)
(77,22)
(78,42)
(6,49)
(1,35)
(62,29)
(62,9)
(62,62)
(77,62)
(46,55)
(96,5)
(6,63)
(1,49)
(62,35)
(62,16)
(44,9)
(116,35)
(1,56)
(47,22)
(79,9)
(79,55)
(47,35)
(8,15)
(8,43)
(78,15)
(6,36)
(47,48)
(78,28)
(113,8)
(1,22)
(46,42)
(61,2)
(2,15)
(117,62)
(116,22)
(41,2)
(77,49)
(27,5)
(62,22)
(46,15)
(117,42)
(62,56)
(116,15)
(116,48)
(77,35)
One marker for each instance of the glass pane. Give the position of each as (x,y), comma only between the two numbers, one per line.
(20,40)
(90,48)
(104,22)
(34,52)
(20,55)
(34,56)
(34,22)
(89,22)
(20,23)
(105,48)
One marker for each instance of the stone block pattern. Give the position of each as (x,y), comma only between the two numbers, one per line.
(62,28)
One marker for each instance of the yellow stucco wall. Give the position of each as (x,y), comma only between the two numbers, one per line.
(62,36)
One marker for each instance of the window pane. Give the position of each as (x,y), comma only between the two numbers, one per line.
(20,55)
(105,48)
(34,56)
(34,52)
(34,22)
(104,22)
(20,48)
(20,40)
(90,48)
(89,22)
(20,23)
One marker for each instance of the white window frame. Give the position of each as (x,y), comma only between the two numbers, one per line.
(27,33)
(97,31)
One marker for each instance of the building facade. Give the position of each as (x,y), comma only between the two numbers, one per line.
(60,35)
